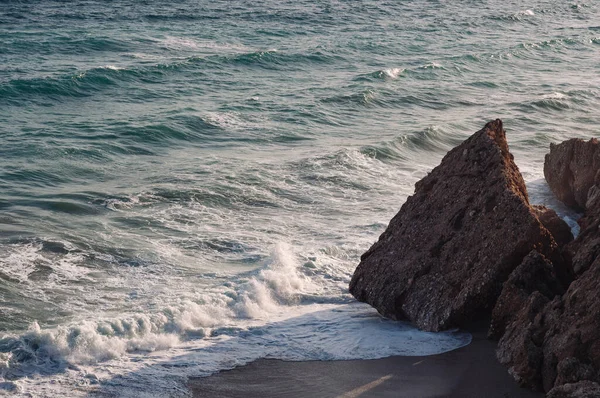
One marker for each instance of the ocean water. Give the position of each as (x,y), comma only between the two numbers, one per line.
(188,186)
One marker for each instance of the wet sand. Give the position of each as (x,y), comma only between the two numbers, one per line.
(471,371)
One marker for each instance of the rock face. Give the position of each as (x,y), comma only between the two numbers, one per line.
(520,348)
(557,226)
(571,168)
(584,250)
(583,389)
(553,344)
(571,342)
(534,274)
(556,342)
(444,257)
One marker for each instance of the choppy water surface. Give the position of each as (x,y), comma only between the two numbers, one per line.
(188,187)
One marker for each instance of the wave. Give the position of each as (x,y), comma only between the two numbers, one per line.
(50,89)
(532,50)
(234,120)
(274,59)
(279,283)
(550,44)
(562,101)
(66,45)
(519,16)
(181,17)
(384,74)
(425,71)
(47,90)
(526,12)
(413,146)
(366,97)
(345,332)
(270,312)
(383,98)
(34,177)
(179,43)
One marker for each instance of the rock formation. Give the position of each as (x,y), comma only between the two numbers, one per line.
(534,274)
(582,389)
(468,244)
(553,344)
(443,259)
(570,169)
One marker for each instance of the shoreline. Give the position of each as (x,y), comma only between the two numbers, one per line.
(470,371)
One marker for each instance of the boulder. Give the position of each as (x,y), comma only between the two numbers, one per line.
(573,333)
(534,274)
(520,348)
(443,258)
(552,343)
(570,170)
(582,389)
(584,250)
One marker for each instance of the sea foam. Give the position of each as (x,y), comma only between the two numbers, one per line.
(262,315)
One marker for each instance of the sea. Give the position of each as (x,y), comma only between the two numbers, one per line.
(186,187)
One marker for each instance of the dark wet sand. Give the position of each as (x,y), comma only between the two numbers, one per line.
(471,371)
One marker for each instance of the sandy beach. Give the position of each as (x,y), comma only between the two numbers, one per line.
(471,371)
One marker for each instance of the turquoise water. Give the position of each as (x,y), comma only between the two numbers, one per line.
(188,187)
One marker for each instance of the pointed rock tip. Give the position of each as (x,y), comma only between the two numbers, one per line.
(496,132)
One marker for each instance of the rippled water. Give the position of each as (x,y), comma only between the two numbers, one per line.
(188,187)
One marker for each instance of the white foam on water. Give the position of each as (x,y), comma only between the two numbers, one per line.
(120,204)
(234,120)
(143,321)
(431,65)
(112,67)
(312,332)
(393,73)
(21,261)
(279,283)
(226,120)
(269,314)
(183,43)
(179,42)
(555,95)
(368,96)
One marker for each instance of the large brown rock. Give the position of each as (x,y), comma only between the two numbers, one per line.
(584,250)
(521,346)
(444,257)
(518,319)
(534,274)
(552,343)
(573,333)
(571,168)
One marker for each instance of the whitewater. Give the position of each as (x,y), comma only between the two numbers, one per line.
(186,188)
